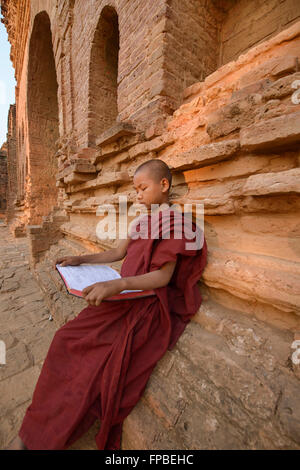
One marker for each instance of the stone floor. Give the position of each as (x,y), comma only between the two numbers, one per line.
(27,333)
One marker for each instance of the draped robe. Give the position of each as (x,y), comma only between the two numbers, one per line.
(99,363)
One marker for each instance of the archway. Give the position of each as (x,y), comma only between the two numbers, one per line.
(42,111)
(103,106)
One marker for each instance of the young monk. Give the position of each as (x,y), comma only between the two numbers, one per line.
(99,363)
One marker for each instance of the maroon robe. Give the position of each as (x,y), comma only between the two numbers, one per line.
(98,364)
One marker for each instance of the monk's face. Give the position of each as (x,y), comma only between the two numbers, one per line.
(148,190)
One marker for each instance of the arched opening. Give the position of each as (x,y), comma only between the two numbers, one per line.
(42,111)
(103,103)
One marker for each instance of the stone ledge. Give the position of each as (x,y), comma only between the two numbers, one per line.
(270,280)
(33,229)
(275,67)
(78,232)
(78,167)
(281,88)
(255,87)
(88,205)
(202,156)
(122,145)
(110,178)
(287,34)
(272,133)
(273,183)
(75,177)
(115,132)
(155,145)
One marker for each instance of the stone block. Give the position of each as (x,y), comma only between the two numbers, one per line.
(272,133)
(37,246)
(283,65)
(154,145)
(280,88)
(34,229)
(266,279)
(87,153)
(109,178)
(77,178)
(233,116)
(273,183)
(223,371)
(81,167)
(115,132)
(193,90)
(202,156)
(288,203)
(256,87)
(77,167)
(263,345)
(276,67)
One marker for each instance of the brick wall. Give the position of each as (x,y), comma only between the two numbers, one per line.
(250,22)
(11,163)
(3,179)
(191,45)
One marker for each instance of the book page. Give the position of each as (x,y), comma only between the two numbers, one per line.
(79,277)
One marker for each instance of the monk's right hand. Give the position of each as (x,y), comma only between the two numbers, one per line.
(68,261)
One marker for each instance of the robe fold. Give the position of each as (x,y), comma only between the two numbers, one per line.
(99,363)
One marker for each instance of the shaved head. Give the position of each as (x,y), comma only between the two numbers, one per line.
(156,170)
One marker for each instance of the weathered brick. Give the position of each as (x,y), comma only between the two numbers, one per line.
(272,133)
(280,88)
(273,183)
(201,156)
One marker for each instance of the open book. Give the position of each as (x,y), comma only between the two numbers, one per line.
(76,278)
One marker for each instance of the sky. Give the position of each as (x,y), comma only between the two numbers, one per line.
(7,82)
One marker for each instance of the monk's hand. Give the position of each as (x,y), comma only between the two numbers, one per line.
(68,261)
(95,293)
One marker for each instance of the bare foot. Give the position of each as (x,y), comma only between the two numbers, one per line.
(17,444)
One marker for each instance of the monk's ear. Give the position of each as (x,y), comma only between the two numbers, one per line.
(165,184)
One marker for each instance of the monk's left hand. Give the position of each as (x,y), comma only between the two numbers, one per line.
(95,293)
